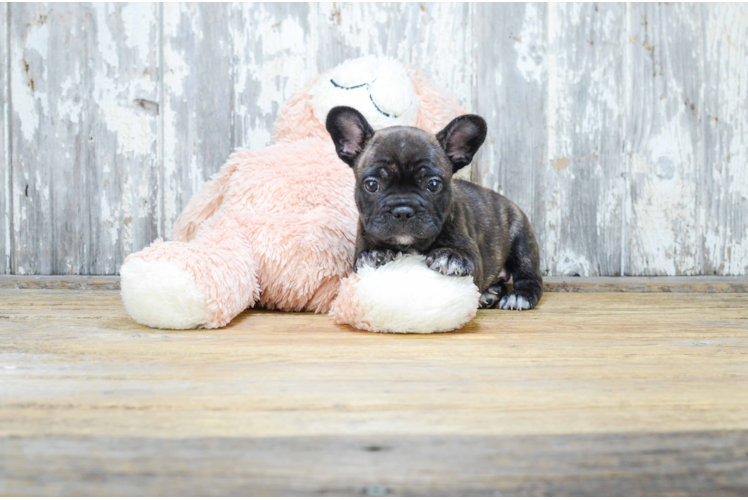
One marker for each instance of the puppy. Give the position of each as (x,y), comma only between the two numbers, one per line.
(409,203)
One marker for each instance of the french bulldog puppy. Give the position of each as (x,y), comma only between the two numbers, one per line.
(409,203)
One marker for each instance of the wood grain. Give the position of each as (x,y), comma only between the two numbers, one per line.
(59,282)
(198,99)
(640,464)
(84,81)
(274,56)
(724,175)
(588,393)
(5,171)
(511,94)
(582,181)
(619,129)
(663,140)
(645,284)
(639,284)
(48,140)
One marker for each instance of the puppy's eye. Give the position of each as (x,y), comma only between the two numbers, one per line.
(434,185)
(371,185)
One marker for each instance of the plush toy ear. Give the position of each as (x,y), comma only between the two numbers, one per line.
(349,130)
(462,138)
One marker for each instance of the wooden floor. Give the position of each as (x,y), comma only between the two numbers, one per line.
(592,393)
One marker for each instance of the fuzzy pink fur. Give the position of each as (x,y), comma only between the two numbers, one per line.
(346,310)
(277,227)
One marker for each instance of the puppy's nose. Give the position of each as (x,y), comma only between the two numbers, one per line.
(403,213)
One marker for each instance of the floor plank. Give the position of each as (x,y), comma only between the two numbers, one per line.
(594,393)
(643,284)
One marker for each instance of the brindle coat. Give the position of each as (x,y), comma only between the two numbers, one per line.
(408,202)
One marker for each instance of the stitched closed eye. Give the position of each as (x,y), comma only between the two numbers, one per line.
(347,88)
(388,115)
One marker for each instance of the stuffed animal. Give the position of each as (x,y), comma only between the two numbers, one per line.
(276,228)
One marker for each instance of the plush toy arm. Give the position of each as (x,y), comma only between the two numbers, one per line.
(203,283)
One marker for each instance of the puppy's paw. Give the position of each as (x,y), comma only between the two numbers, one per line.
(491,297)
(488,300)
(518,301)
(374,258)
(450,262)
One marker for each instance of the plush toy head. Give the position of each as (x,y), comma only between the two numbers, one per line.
(384,90)
(367,84)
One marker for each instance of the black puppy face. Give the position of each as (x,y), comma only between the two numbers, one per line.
(403,174)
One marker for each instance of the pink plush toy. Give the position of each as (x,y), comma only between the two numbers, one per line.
(276,227)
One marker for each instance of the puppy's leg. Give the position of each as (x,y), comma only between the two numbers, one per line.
(524,266)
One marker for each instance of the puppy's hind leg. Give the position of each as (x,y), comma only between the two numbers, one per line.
(524,266)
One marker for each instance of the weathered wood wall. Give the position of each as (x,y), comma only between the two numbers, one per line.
(621,129)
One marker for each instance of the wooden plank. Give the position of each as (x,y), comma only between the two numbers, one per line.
(639,284)
(724,182)
(43,151)
(275,55)
(649,284)
(59,282)
(123,119)
(436,37)
(511,93)
(84,86)
(663,139)
(640,464)
(582,184)
(198,95)
(588,394)
(227,71)
(5,171)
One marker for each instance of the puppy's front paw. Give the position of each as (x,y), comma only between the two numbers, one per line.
(518,301)
(374,258)
(450,262)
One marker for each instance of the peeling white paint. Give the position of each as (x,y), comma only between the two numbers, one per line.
(176,71)
(666,144)
(618,83)
(5,195)
(569,263)
(271,63)
(105,44)
(25,98)
(530,61)
(724,208)
(136,33)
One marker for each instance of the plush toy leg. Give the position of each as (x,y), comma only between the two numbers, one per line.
(204,283)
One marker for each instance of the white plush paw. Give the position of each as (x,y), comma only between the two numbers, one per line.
(161,295)
(405,296)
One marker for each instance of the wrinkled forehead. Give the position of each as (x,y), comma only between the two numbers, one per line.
(404,147)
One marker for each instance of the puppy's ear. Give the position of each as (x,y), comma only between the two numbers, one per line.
(350,131)
(462,138)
